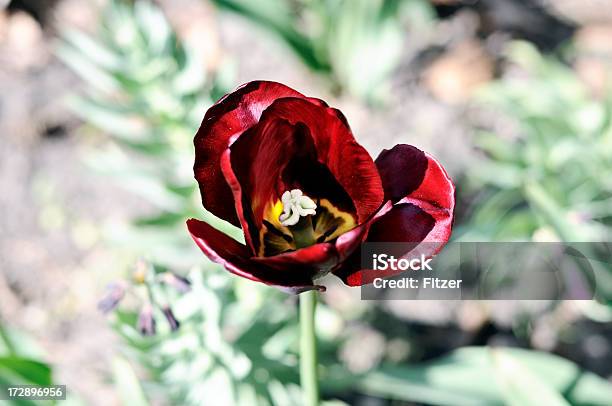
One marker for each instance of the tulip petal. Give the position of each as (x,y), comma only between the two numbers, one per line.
(336,148)
(234,257)
(404,223)
(321,257)
(402,169)
(422,218)
(406,171)
(232,115)
(430,188)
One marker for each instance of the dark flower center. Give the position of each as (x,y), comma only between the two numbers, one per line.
(326,224)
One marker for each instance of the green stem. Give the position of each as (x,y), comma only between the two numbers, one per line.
(308,348)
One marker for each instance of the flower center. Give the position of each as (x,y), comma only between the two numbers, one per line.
(298,210)
(295,206)
(296,221)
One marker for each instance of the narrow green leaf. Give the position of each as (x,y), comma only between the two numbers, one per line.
(128,384)
(97,53)
(94,75)
(118,122)
(269,16)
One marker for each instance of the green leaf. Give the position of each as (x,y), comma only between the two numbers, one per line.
(191,77)
(271,16)
(31,371)
(94,75)
(363,31)
(520,386)
(153,26)
(97,53)
(546,205)
(118,121)
(128,384)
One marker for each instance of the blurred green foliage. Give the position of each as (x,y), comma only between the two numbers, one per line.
(237,343)
(355,44)
(545,179)
(548,177)
(224,349)
(490,376)
(148,91)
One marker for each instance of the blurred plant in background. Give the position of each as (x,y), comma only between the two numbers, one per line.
(355,44)
(147,90)
(541,173)
(223,350)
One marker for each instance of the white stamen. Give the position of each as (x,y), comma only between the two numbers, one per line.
(295,205)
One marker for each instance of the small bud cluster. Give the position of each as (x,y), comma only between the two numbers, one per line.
(148,286)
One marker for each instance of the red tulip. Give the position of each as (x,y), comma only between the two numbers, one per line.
(287,170)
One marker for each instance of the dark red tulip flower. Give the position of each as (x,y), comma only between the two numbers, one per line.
(287,170)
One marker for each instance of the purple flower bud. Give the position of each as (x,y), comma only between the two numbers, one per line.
(174,324)
(146,321)
(181,284)
(115,292)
